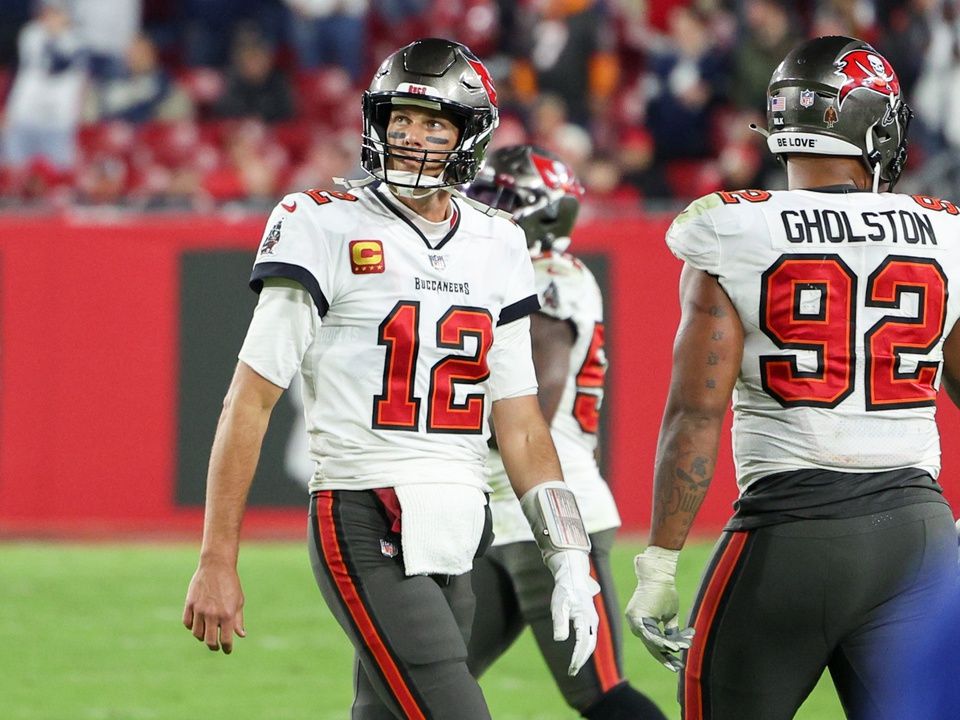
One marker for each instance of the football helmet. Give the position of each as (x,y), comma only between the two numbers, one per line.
(537,188)
(441,75)
(839,96)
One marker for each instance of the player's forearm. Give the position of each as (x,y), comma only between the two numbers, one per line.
(686,459)
(529,457)
(233,461)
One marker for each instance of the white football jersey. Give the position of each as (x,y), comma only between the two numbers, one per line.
(845,299)
(398,381)
(567,291)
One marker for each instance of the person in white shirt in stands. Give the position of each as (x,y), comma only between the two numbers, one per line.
(45,102)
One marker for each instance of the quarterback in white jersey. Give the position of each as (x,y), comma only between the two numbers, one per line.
(405,310)
(826,313)
(512,586)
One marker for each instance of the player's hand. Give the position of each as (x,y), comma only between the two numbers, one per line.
(652,611)
(213,611)
(572,601)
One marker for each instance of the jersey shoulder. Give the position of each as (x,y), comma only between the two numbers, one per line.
(492,225)
(696,234)
(564,284)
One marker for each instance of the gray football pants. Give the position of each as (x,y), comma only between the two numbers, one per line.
(779,604)
(410,633)
(513,589)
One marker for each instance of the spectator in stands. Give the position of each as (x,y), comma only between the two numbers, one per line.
(568,53)
(767,36)
(252,167)
(144,91)
(687,78)
(106,31)
(210,25)
(255,88)
(43,109)
(329,32)
(551,129)
(328,156)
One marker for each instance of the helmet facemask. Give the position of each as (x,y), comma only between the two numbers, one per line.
(440,75)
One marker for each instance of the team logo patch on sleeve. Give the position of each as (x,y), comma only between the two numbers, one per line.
(272,238)
(366,257)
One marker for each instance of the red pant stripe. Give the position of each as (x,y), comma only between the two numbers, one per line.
(604,657)
(712,595)
(333,557)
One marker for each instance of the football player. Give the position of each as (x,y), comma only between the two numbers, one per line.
(406,311)
(510,582)
(830,308)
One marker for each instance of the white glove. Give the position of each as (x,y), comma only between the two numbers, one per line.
(572,600)
(652,611)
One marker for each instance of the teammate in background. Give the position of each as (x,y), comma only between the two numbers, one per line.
(831,308)
(405,310)
(510,581)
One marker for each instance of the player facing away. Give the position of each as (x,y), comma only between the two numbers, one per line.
(510,582)
(829,313)
(405,310)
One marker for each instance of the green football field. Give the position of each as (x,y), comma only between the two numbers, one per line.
(93,632)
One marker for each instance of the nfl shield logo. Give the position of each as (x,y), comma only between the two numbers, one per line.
(806,98)
(388,548)
(438,262)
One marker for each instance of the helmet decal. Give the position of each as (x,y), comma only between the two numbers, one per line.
(539,190)
(867,70)
(556,175)
(485,78)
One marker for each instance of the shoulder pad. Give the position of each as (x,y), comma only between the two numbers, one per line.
(477,205)
(698,207)
(556,263)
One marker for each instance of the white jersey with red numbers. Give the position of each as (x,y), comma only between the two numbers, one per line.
(845,300)
(398,381)
(567,291)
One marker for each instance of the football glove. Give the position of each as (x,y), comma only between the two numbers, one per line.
(572,602)
(551,509)
(652,611)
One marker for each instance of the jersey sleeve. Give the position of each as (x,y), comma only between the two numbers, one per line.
(520,297)
(558,280)
(281,330)
(510,360)
(294,248)
(692,235)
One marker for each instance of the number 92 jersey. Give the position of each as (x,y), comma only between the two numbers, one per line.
(398,379)
(845,303)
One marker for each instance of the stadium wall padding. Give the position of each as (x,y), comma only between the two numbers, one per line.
(117,339)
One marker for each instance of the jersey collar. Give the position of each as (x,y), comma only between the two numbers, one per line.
(454,218)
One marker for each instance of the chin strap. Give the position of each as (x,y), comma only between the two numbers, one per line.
(873,158)
(355,182)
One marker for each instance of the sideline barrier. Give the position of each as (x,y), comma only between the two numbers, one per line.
(117,342)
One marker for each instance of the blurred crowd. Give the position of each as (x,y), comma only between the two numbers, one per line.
(197,104)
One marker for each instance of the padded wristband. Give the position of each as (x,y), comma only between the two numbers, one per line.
(552,511)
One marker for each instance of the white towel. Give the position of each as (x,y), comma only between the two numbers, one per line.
(441,527)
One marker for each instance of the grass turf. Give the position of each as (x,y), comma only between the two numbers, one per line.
(92,632)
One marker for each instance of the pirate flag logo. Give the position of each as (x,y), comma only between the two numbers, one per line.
(866,70)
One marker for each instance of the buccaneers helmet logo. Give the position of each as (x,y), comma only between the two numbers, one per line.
(869,71)
(556,176)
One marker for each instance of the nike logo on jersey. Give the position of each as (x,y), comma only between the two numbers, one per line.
(289,208)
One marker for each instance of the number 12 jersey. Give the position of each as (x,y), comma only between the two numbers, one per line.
(398,380)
